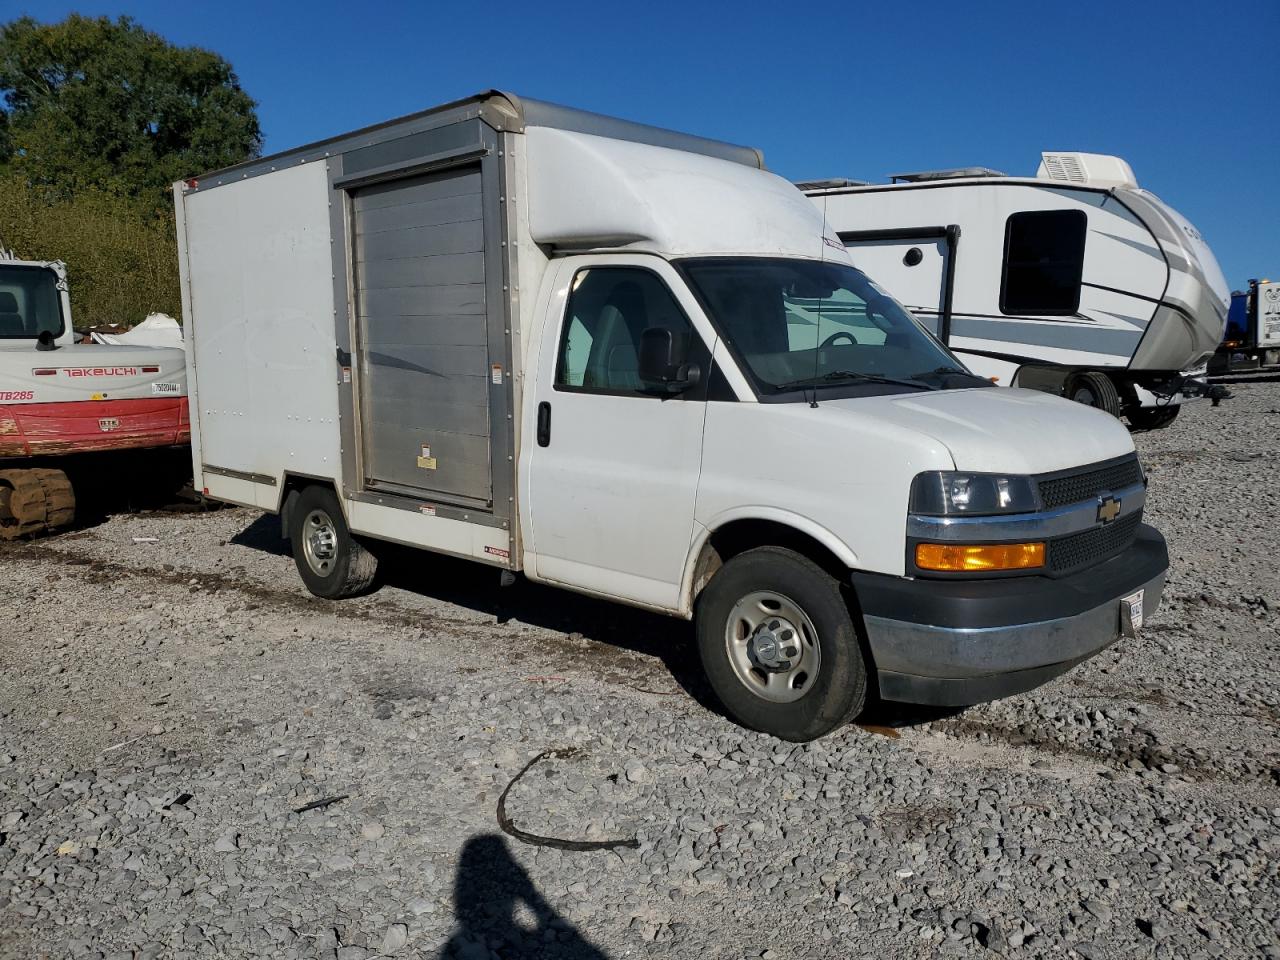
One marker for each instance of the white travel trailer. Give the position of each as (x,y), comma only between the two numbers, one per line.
(1075,281)
(630,362)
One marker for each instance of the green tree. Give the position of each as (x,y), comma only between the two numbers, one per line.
(103,104)
(121,255)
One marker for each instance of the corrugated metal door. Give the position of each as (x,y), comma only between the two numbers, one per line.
(424,364)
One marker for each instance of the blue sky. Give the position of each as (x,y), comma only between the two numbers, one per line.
(1187,92)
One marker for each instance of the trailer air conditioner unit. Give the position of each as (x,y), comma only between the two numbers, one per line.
(1091,168)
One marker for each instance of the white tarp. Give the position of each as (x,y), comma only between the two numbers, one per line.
(158,330)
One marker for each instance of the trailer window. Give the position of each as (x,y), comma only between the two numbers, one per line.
(609,308)
(1043,262)
(29,302)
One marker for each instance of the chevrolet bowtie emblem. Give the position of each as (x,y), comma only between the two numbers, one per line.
(1108,509)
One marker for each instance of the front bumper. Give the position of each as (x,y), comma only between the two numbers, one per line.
(957,642)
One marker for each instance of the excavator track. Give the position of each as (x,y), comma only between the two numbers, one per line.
(34,500)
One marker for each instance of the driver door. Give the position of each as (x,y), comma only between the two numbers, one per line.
(613,473)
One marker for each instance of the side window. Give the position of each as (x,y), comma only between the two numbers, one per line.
(609,308)
(1043,262)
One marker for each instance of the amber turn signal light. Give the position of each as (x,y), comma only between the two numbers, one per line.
(975,557)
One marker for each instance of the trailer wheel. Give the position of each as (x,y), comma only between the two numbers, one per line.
(1094,389)
(1153,418)
(331,562)
(779,646)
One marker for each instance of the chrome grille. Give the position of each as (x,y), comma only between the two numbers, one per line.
(1089,483)
(1091,546)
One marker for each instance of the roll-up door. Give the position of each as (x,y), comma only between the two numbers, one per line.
(422,334)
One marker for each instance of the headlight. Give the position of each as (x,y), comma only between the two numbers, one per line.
(948,493)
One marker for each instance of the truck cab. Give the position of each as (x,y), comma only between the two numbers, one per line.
(636,364)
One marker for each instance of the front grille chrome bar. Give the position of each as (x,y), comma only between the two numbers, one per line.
(1020,527)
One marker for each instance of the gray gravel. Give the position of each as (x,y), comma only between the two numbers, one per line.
(166,707)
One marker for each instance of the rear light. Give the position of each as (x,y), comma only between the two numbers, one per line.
(978,557)
(44,372)
(150,369)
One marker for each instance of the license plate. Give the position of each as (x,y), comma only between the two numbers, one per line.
(1131,614)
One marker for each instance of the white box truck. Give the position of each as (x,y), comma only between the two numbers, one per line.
(632,363)
(1252,337)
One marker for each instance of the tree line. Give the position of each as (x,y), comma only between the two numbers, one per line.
(99,118)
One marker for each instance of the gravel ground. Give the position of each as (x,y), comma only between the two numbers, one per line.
(169,707)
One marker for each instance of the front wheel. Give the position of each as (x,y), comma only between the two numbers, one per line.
(331,562)
(779,646)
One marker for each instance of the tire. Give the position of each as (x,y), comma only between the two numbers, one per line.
(788,594)
(1153,418)
(1094,389)
(331,562)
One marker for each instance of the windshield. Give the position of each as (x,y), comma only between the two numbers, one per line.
(29,302)
(798,324)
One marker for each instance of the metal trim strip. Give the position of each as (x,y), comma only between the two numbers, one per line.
(404,501)
(413,167)
(239,474)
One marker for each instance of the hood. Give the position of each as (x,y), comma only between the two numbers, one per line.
(1000,429)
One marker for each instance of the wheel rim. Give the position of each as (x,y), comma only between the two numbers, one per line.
(319,542)
(1086,396)
(773,646)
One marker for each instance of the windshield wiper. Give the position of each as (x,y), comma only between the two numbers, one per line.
(951,372)
(851,375)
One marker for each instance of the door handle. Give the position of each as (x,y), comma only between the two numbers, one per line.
(544,424)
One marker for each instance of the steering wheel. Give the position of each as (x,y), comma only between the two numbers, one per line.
(836,336)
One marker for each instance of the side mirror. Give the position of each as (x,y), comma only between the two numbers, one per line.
(664,362)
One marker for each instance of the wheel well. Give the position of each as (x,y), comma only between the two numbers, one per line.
(292,487)
(739,536)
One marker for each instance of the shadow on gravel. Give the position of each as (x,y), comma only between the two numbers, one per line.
(125,481)
(893,716)
(264,535)
(668,640)
(496,905)
(468,584)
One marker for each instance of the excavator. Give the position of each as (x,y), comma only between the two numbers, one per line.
(63,402)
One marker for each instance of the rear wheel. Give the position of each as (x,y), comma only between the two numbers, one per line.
(1153,418)
(1094,389)
(331,562)
(779,646)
